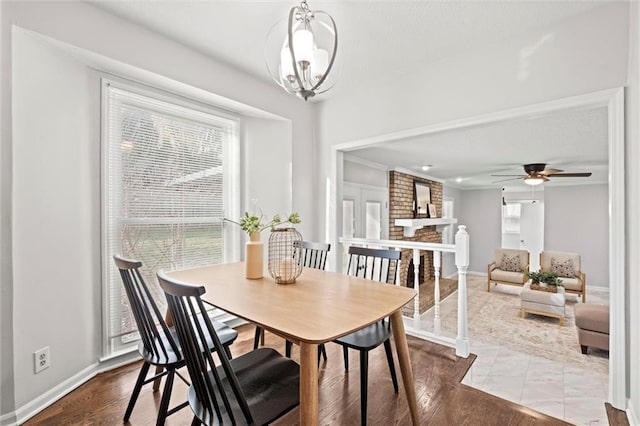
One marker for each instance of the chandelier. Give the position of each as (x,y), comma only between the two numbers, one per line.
(300,60)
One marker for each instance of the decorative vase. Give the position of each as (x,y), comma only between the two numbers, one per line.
(254,260)
(284,255)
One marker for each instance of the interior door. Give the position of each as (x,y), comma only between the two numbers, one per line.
(532,231)
(365,212)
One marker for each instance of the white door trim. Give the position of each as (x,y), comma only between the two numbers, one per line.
(613,100)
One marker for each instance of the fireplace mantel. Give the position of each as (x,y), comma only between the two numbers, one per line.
(411,225)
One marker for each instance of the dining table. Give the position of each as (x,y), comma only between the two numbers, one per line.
(319,307)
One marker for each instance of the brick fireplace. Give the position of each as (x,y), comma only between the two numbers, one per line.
(401,207)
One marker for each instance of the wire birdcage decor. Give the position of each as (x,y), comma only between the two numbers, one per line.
(284,255)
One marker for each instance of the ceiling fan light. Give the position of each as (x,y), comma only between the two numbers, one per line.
(534,180)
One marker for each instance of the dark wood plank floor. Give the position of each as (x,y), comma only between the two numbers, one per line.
(442,400)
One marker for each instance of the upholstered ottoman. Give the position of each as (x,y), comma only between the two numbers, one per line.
(542,302)
(592,322)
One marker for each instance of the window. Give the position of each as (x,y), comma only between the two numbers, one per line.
(169,175)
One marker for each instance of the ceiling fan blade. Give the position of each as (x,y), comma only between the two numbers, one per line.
(504,180)
(548,172)
(511,175)
(587,174)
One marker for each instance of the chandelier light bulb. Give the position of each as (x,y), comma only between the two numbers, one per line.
(303,47)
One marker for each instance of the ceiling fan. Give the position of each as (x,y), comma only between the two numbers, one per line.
(537,173)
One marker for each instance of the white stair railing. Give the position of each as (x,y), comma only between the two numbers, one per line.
(461,251)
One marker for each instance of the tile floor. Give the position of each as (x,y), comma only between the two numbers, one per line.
(563,391)
(576,395)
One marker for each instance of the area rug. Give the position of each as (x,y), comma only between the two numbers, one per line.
(495,318)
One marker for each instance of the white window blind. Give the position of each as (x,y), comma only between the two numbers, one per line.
(168,176)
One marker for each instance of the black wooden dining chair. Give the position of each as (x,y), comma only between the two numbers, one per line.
(254,388)
(377,265)
(158,343)
(313,255)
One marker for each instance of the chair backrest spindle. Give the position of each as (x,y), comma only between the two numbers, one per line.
(314,255)
(374,264)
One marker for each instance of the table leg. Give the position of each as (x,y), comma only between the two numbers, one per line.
(402,349)
(308,384)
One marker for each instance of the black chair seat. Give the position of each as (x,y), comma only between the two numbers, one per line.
(258,372)
(367,338)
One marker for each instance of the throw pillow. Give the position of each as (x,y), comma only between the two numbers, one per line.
(563,269)
(510,264)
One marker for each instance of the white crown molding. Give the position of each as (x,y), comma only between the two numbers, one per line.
(358,160)
(417,174)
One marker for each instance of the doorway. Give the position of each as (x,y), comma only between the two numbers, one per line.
(523,228)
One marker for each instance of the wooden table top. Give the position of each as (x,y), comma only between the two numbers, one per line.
(319,307)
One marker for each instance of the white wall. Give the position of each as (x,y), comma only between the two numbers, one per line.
(54,192)
(481,213)
(267,178)
(632,95)
(56,221)
(576,219)
(365,175)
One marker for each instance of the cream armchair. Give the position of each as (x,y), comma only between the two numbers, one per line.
(510,266)
(568,268)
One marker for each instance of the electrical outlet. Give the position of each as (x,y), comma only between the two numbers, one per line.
(41,359)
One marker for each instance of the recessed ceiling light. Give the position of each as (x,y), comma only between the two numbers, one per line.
(426,167)
(459,179)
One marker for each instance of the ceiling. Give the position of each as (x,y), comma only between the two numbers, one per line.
(384,40)
(573,141)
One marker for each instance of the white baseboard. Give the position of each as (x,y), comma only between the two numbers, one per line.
(632,414)
(8,419)
(38,404)
(455,275)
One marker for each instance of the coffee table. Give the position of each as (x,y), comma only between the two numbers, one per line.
(541,302)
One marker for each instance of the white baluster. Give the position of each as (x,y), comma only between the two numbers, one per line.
(416,287)
(462,263)
(436,293)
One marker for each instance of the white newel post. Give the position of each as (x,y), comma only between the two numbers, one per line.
(416,287)
(436,293)
(462,263)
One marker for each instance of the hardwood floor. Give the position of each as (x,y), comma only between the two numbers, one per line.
(442,400)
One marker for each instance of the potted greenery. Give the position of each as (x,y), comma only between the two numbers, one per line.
(253,225)
(542,280)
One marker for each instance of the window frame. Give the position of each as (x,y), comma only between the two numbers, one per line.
(232,187)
